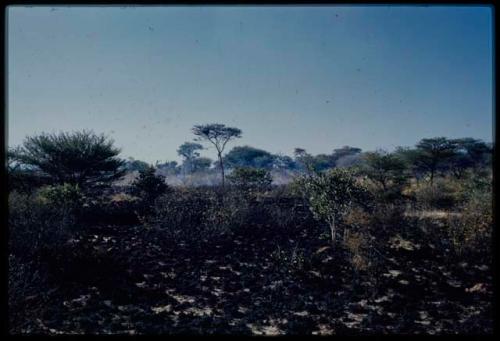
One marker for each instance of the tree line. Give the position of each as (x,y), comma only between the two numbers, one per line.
(92,162)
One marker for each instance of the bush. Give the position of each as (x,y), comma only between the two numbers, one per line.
(250,179)
(470,230)
(149,186)
(27,293)
(66,196)
(331,195)
(37,225)
(182,214)
(445,193)
(358,244)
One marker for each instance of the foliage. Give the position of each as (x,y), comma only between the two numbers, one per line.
(135,165)
(471,230)
(388,171)
(358,244)
(283,162)
(149,186)
(80,158)
(37,224)
(197,254)
(247,156)
(189,152)
(65,195)
(182,214)
(331,195)
(433,153)
(445,193)
(218,135)
(247,178)
(201,164)
(304,160)
(471,154)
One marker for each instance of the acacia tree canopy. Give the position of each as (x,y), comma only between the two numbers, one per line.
(218,135)
(82,158)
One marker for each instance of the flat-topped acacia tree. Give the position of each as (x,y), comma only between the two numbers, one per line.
(218,135)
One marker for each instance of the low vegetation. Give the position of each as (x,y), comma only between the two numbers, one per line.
(354,243)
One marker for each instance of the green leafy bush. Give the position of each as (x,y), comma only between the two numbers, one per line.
(149,186)
(331,195)
(250,179)
(67,196)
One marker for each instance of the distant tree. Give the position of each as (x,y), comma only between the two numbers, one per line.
(201,164)
(322,162)
(189,152)
(283,162)
(471,154)
(80,158)
(135,165)
(247,156)
(149,186)
(247,178)
(168,168)
(218,135)
(304,160)
(385,168)
(345,151)
(432,153)
(409,156)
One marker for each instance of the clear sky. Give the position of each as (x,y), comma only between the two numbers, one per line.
(311,77)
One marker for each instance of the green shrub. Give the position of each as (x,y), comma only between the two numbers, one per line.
(250,179)
(331,195)
(149,186)
(65,196)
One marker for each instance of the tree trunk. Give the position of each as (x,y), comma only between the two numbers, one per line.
(333,230)
(221,168)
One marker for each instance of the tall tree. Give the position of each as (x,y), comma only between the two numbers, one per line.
(80,158)
(218,135)
(434,153)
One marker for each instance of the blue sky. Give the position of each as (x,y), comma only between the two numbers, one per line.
(294,76)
